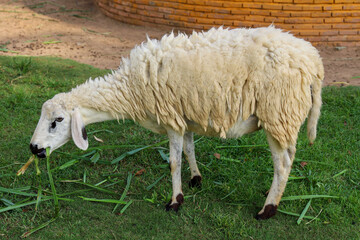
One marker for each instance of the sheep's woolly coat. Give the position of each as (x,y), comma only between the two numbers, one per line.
(213,79)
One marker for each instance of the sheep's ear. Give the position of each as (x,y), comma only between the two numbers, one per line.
(78,131)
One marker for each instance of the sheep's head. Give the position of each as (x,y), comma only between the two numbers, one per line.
(56,126)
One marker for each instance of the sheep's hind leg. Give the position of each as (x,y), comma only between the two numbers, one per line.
(282,159)
(189,151)
(176,144)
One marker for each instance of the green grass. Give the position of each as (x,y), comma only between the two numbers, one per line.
(233,186)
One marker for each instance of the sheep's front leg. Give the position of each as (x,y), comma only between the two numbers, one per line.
(176,144)
(282,159)
(189,151)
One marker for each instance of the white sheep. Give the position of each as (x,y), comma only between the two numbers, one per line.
(223,83)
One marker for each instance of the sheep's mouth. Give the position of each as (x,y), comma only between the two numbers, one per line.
(40,153)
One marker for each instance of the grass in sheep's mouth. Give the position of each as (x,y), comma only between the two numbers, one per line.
(125,200)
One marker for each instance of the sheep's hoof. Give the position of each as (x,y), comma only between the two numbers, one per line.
(175,206)
(195,182)
(269,211)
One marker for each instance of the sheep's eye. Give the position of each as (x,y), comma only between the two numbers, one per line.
(59,119)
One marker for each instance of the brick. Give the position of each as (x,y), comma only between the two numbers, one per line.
(303,26)
(344,1)
(329,33)
(341,14)
(214,3)
(317,39)
(241,24)
(187,7)
(314,20)
(322,26)
(352,20)
(303,1)
(320,14)
(198,14)
(162,21)
(308,33)
(324,1)
(272,6)
(311,7)
(337,38)
(300,14)
(231,4)
(221,16)
(240,12)
(203,8)
(283,1)
(254,18)
(333,20)
(166,10)
(292,7)
(223,22)
(355,14)
(182,12)
(257,25)
(279,14)
(205,20)
(351,7)
(260,12)
(274,20)
(332,7)
(222,10)
(252,5)
(294,20)
(348,32)
(353,38)
(342,26)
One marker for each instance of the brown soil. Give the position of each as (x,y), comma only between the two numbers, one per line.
(79,31)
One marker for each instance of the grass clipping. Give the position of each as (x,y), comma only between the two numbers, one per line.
(55,197)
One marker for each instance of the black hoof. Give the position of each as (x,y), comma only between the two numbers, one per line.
(270,210)
(195,182)
(175,206)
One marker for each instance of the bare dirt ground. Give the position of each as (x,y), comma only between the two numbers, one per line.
(78,30)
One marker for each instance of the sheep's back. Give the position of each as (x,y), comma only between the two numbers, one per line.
(214,78)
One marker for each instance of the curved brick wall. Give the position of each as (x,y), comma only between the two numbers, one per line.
(335,22)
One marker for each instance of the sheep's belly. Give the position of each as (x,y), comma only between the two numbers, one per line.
(240,128)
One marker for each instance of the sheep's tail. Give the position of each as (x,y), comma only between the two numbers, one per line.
(314,113)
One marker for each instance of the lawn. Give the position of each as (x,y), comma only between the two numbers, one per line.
(236,173)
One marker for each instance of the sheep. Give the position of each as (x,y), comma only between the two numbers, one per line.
(223,83)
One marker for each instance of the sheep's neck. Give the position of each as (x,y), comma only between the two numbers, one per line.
(99,100)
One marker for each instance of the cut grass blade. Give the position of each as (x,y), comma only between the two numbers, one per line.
(123,195)
(303,212)
(164,156)
(103,200)
(126,206)
(231,160)
(154,183)
(51,180)
(20,205)
(290,198)
(132,152)
(294,214)
(96,188)
(27,164)
(7,202)
(17,192)
(340,173)
(28,233)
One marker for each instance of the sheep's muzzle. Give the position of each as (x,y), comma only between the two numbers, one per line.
(41,153)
